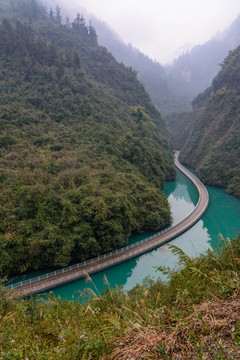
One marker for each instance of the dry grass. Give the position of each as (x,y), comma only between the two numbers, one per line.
(210,332)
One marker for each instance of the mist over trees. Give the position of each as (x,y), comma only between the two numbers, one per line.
(171,87)
(194,71)
(213,147)
(162,88)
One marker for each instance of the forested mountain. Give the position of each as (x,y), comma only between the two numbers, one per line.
(162,88)
(83,151)
(194,71)
(179,125)
(173,87)
(213,148)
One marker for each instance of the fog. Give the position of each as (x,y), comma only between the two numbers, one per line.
(162,29)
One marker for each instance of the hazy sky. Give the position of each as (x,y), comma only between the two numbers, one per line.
(159,27)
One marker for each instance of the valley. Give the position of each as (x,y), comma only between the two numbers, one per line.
(88,125)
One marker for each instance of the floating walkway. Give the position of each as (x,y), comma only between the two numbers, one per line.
(77,271)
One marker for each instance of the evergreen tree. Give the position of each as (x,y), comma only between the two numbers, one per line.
(51,15)
(92,34)
(79,25)
(67,23)
(58,17)
(76,60)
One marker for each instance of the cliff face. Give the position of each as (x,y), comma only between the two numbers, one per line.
(213,148)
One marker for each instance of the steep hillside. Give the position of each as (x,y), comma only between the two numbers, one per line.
(179,125)
(163,89)
(194,70)
(213,148)
(83,151)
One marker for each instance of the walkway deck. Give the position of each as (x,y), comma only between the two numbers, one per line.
(71,273)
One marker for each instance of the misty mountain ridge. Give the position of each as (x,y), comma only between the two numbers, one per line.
(163,89)
(194,70)
(171,87)
(213,147)
(179,51)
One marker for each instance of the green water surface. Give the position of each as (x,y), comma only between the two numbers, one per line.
(221,217)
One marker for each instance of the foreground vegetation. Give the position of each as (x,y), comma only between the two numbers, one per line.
(83,152)
(193,316)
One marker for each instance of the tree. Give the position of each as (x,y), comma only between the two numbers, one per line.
(92,34)
(58,17)
(51,15)
(79,25)
(76,60)
(67,23)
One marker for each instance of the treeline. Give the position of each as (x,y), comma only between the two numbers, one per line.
(83,151)
(34,11)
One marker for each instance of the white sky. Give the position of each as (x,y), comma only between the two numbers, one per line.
(159,27)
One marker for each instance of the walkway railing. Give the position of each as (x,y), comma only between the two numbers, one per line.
(87,262)
(125,253)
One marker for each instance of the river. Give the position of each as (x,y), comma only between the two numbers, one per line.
(221,217)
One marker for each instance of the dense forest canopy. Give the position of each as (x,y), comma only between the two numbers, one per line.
(83,152)
(179,125)
(213,147)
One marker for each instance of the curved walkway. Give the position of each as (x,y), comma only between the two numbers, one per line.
(71,273)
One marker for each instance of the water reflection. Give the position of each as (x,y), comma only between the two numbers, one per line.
(182,197)
(117,275)
(181,189)
(222,216)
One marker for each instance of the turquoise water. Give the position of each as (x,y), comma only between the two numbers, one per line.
(221,217)
(182,196)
